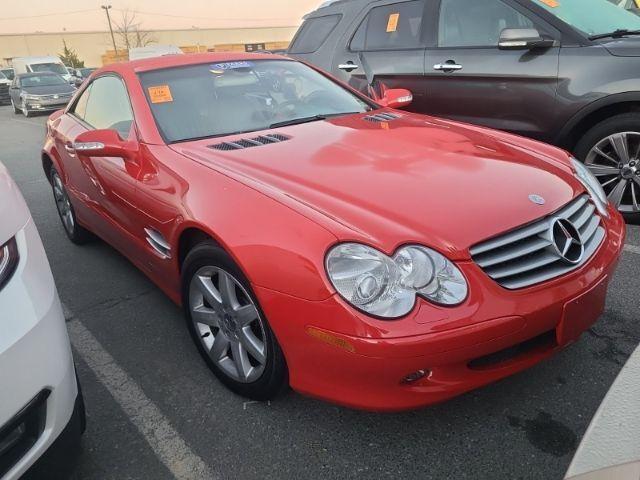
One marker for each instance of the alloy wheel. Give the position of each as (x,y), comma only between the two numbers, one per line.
(228,323)
(615,161)
(63,204)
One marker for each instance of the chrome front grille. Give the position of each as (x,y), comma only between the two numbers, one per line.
(530,255)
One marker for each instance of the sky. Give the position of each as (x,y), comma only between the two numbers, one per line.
(28,16)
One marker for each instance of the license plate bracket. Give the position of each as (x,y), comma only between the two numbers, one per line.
(582,312)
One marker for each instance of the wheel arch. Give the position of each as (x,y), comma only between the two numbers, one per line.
(190,237)
(595,113)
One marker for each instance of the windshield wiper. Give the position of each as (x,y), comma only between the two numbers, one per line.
(623,32)
(313,118)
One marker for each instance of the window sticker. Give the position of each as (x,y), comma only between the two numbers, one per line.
(160,94)
(551,3)
(220,68)
(392,24)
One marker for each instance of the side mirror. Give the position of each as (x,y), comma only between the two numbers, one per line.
(103,143)
(522,39)
(396,98)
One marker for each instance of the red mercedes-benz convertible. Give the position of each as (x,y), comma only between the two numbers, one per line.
(358,253)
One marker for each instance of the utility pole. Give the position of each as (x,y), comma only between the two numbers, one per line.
(113,39)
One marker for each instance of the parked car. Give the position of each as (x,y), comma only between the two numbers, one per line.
(82,74)
(39,92)
(368,256)
(610,448)
(5,83)
(150,51)
(539,68)
(41,407)
(41,65)
(8,72)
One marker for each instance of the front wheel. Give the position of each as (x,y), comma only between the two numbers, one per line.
(229,327)
(76,233)
(25,110)
(611,150)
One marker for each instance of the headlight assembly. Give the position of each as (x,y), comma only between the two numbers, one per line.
(593,186)
(8,261)
(387,286)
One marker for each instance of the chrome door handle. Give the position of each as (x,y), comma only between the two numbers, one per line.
(348,67)
(69,148)
(447,66)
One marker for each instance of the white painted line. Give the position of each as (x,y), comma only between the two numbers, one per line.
(167,444)
(632,249)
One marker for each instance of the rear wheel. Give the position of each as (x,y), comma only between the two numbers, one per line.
(76,233)
(228,326)
(611,150)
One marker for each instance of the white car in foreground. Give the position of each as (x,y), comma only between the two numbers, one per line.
(41,407)
(610,449)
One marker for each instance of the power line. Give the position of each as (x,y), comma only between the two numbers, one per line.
(169,15)
(26,17)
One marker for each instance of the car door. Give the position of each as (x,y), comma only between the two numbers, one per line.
(468,78)
(386,43)
(14,91)
(106,185)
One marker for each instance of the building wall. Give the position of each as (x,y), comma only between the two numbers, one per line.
(92,45)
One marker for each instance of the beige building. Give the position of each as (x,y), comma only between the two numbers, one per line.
(92,46)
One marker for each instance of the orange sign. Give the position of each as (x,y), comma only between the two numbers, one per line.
(160,94)
(551,3)
(392,24)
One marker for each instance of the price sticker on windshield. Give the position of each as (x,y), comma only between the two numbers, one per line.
(551,3)
(392,24)
(160,94)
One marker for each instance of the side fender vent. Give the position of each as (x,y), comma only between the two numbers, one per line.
(250,142)
(381,117)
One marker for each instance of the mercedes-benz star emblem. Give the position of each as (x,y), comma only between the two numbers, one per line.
(567,241)
(537,199)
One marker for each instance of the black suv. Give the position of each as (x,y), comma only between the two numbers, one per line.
(565,72)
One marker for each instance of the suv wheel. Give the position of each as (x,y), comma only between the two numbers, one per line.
(76,233)
(611,150)
(229,327)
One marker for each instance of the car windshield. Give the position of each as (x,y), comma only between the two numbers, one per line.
(210,100)
(8,73)
(42,81)
(85,72)
(49,67)
(592,17)
(3,76)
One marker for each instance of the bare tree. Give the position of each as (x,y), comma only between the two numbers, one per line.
(129,32)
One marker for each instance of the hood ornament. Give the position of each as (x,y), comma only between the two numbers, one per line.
(537,199)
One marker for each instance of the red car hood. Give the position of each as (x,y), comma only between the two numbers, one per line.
(415,179)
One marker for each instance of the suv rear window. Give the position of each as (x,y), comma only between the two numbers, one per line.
(313,33)
(391,27)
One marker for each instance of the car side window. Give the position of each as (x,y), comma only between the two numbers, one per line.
(313,33)
(80,108)
(108,106)
(391,27)
(478,23)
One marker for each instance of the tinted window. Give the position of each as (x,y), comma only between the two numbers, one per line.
(200,101)
(108,106)
(313,33)
(594,17)
(80,108)
(391,27)
(477,23)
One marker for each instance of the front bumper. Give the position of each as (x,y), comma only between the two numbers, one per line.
(337,354)
(35,355)
(44,106)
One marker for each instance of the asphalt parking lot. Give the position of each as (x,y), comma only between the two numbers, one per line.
(155,411)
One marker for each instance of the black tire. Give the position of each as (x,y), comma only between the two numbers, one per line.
(76,232)
(625,122)
(274,378)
